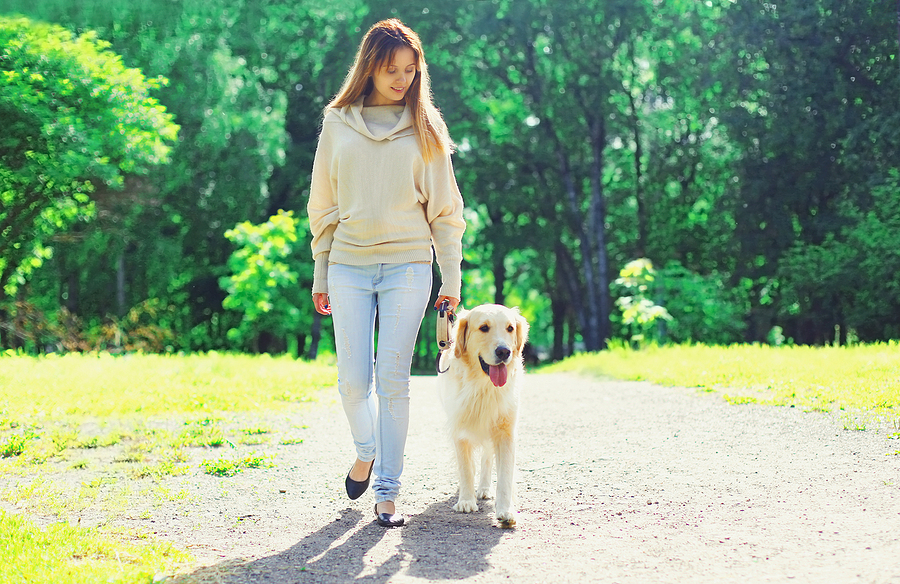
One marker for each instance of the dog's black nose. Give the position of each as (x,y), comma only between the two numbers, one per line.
(502,353)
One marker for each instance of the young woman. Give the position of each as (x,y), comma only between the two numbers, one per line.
(383,194)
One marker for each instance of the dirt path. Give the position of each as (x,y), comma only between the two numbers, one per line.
(618,482)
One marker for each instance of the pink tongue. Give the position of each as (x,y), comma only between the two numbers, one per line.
(498,375)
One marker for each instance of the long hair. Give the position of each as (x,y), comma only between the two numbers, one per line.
(377,49)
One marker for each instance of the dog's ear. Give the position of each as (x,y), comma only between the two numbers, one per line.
(521,332)
(462,329)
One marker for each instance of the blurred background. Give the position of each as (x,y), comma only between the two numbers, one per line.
(635,171)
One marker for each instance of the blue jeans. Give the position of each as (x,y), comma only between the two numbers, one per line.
(379,419)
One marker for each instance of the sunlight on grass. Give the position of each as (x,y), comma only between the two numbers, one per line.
(103,433)
(859,377)
(63,554)
(103,385)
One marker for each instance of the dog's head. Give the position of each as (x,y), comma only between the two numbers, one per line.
(493,336)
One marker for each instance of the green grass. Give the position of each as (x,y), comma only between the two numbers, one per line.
(56,386)
(63,554)
(861,377)
(148,414)
(14,446)
(225,467)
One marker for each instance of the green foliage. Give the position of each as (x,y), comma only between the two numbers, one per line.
(674,305)
(142,329)
(263,286)
(814,122)
(75,118)
(824,282)
(639,312)
(703,308)
(749,148)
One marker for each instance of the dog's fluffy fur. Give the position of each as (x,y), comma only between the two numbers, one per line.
(480,393)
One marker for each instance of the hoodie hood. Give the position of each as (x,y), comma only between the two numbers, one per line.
(385,122)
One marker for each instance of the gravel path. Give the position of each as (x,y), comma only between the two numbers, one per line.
(618,482)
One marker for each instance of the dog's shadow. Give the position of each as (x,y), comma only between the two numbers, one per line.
(445,545)
(436,544)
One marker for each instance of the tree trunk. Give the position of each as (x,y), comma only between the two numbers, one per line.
(301,345)
(499,277)
(74,291)
(599,296)
(558,313)
(567,274)
(120,284)
(571,340)
(641,250)
(589,309)
(315,334)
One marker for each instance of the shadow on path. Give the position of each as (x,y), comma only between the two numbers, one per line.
(442,544)
(437,544)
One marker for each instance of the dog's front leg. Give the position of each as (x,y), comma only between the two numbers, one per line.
(466,466)
(484,479)
(506,463)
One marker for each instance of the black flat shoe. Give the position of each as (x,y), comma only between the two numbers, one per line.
(355,489)
(388,520)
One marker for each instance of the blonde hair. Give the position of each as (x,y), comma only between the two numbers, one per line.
(376,50)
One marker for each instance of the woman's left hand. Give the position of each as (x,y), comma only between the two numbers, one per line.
(454,302)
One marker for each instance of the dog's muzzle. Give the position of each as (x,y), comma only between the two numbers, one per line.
(499,372)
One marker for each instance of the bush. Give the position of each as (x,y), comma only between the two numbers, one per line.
(675,305)
(703,308)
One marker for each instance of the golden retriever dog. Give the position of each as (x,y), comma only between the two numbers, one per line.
(480,392)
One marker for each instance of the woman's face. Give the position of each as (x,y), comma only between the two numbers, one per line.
(392,80)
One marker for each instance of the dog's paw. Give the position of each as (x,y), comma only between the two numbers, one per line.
(483,493)
(506,517)
(466,506)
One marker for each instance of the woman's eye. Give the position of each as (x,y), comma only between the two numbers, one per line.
(484,328)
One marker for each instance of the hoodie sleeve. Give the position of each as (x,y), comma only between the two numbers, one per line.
(444,211)
(322,208)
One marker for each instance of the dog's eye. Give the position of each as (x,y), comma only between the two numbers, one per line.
(484,328)
(510,329)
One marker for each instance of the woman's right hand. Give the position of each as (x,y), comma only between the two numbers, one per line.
(321,301)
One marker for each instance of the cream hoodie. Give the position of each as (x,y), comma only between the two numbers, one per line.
(373,199)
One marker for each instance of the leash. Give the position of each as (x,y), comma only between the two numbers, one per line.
(445,320)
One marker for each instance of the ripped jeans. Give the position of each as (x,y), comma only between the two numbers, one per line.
(379,419)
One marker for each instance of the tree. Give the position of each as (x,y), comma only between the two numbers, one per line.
(811,102)
(247,85)
(263,286)
(75,119)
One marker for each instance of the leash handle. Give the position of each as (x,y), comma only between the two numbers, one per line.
(445,319)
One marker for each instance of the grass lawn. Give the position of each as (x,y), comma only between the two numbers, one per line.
(99,433)
(859,378)
(102,385)
(65,553)
(149,417)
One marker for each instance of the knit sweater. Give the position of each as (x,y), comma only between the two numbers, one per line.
(374,200)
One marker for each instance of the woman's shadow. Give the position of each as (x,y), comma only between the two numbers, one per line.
(437,544)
